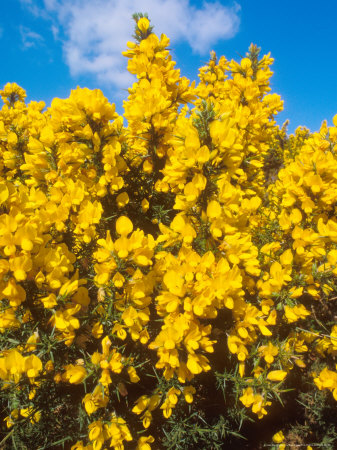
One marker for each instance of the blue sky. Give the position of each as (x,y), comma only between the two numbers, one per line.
(51,46)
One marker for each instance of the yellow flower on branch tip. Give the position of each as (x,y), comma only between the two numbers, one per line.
(124,226)
(12,93)
(143,24)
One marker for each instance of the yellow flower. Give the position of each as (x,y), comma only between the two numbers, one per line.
(143,24)
(295,313)
(75,374)
(278,437)
(34,416)
(97,330)
(95,400)
(134,378)
(32,366)
(188,392)
(145,205)
(144,442)
(124,226)
(12,93)
(80,446)
(276,375)
(147,166)
(141,404)
(268,352)
(213,209)
(247,397)
(122,199)
(146,419)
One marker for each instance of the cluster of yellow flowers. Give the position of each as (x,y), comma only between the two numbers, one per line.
(166,248)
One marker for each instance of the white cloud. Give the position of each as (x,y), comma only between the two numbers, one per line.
(30,38)
(31,6)
(210,24)
(95,32)
(55,30)
(35,7)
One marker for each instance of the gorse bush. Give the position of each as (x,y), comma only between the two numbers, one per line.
(170,283)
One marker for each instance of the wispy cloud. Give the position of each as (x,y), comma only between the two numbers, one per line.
(95,32)
(35,7)
(30,38)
